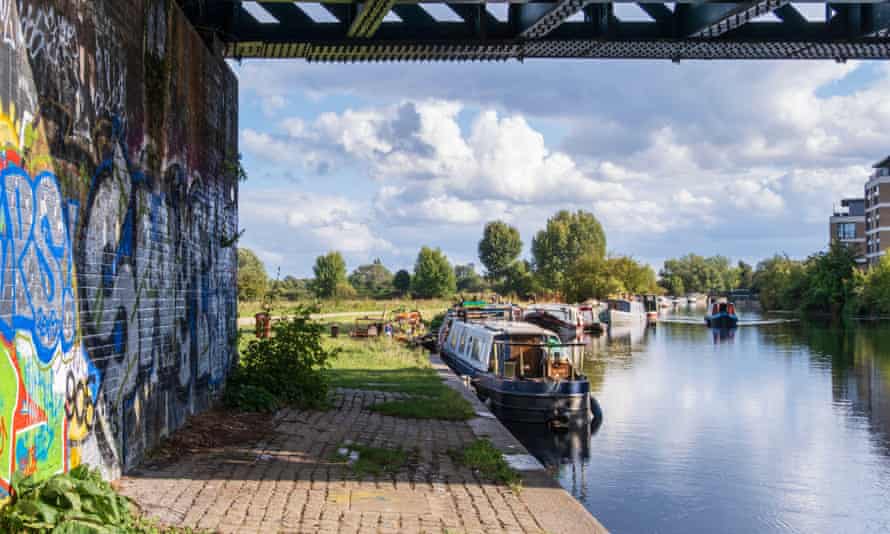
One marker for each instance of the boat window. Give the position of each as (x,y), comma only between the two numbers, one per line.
(476,350)
(454,335)
(463,341)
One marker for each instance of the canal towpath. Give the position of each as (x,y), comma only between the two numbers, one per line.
(285,481)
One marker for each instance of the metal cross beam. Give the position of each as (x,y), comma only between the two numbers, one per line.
(546,29)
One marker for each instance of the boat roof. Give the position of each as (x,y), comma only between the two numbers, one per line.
(513,328)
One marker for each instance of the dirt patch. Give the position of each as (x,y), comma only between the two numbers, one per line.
(212,429)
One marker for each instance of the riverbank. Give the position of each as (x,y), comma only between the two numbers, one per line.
(293,478)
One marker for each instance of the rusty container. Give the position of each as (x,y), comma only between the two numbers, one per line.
(263,327)
(335,330)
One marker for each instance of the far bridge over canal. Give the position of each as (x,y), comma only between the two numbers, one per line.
(405,30)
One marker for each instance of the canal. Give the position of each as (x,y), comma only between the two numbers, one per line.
(779,428)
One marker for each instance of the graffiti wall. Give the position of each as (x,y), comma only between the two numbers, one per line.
(119,200)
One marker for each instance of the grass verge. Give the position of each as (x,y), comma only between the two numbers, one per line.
(372,460)
(484,457)
(382,364)
(279,307)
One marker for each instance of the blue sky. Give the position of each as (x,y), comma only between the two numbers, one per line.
(743,159)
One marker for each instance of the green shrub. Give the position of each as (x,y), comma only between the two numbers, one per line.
(287,367)
(250,398)
(77,501)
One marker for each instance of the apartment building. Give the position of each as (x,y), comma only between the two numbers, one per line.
(877,208)
(847,225)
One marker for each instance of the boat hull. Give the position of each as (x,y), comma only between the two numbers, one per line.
(459,365)
(620,317)
(536,401)
(722,320)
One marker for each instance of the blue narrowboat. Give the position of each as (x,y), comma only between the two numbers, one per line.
(721,315)
(525,372)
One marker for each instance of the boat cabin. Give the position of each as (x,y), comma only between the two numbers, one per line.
(626,306)
(512,350)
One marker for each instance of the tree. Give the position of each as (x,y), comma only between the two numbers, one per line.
(590,277)
(593,277)
(252,278)
(498,249)
(330,275)
(697,274)
(372,279)
(566,238)
(519,280)
(402,281)
(433,275)
(828,277)
(468,279)
(746,275)
(875,288)
(779,282)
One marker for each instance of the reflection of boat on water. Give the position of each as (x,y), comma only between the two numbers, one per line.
(553,449)
(627,334)
(723,335)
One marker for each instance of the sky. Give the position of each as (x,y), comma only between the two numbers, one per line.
(744,159)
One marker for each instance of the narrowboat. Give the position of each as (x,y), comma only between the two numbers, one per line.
(525,372)
(475,311)
(623,311)
(721,315)
(651,305)
(589,313)
(560,318)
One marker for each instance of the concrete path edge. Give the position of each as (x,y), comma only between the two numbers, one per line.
(554,508)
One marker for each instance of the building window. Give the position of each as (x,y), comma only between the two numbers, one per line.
(846,231)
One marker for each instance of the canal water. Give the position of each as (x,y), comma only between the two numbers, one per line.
(778,428)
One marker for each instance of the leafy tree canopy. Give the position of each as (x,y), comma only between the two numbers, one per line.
(252,278)
(330,276)
(433,275)
(567,237)
(372,279)
(499,247)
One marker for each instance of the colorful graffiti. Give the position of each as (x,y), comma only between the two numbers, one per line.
(117,296)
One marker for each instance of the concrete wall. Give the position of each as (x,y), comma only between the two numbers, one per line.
(117,287)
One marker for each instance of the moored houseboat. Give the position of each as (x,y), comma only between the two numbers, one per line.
(560,318)
(624,311)
(476,311)
(721,314)
(525,371)
(590,313)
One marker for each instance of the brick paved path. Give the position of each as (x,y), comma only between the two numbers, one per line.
(287,482)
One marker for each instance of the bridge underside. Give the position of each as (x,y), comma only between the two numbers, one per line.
(556,29)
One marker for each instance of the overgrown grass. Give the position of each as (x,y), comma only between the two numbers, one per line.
(482,456)
(383,364)
(373,460)
(281,307)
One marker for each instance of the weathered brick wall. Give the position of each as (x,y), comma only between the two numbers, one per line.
(117,287)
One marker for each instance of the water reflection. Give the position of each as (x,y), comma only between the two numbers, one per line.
(781,428)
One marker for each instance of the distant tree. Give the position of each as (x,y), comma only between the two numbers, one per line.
(519,280)
(828,277)
(433,275)
(292,288)
(635,277)
(594,277)
(372,279)
(746,275)
(402,281)
(252,278)
(330,275)
(875,289)
(699,274)
(468,280)
(780,282)
(567,237)
(498,249)
(590,277)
